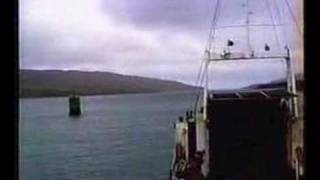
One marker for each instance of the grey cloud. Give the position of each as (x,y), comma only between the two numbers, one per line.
(159,38)
(185,14)
(161,13)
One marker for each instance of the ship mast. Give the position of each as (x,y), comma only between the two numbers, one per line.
(205,93)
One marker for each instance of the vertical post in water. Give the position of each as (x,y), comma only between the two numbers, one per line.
(74,106)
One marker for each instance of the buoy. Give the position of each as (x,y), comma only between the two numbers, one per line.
(74,106)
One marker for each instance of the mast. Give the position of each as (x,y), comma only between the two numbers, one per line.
(205,90)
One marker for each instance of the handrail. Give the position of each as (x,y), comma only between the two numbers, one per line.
(248,58)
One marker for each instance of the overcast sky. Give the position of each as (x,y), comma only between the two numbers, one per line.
(153,38)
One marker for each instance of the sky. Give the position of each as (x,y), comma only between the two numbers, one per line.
(163,39)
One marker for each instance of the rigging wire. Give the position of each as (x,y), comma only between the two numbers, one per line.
(251,25)
(202,72)
(199,93)
(278,13)
(296,23)
(197,80)
(293,17)
(247,26)
(282,63)
(300,38)
(213,28)
(274,26)
(208,48)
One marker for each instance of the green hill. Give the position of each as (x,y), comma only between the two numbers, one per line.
(45,83)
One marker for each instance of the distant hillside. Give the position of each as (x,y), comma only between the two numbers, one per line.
(279,83)
(43,83)
(282,83)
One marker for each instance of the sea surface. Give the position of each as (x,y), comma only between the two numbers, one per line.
(118,137)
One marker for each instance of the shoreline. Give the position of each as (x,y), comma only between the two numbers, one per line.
(107,94)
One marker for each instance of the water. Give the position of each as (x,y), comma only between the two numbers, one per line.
(121,137)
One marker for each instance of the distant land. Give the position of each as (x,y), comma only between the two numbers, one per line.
(279,83)
(48,83)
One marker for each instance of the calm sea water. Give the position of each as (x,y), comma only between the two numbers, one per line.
(122,137)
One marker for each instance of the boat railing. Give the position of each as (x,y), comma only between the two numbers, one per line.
(173,160)
(180,127)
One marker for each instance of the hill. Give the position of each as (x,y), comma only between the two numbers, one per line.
(279,83)
(45,83)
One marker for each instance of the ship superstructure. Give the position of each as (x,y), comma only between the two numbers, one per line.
(241,133)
